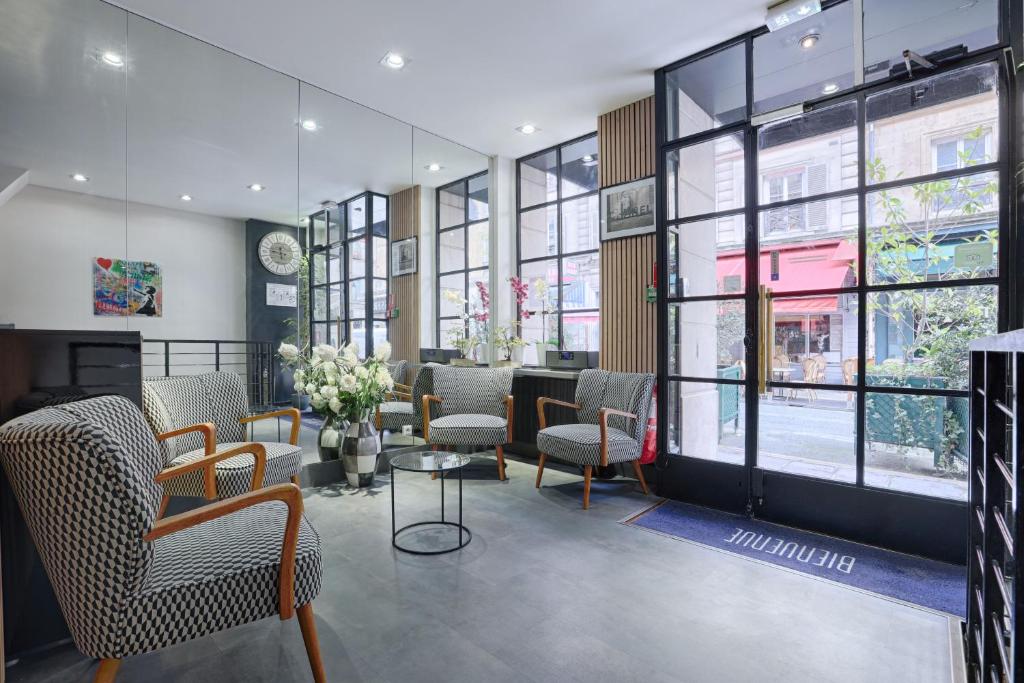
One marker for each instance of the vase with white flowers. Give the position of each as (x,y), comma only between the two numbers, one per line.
(345,391)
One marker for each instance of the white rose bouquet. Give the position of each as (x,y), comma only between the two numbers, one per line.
(339,385)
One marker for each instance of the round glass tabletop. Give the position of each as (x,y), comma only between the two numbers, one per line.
(429,461)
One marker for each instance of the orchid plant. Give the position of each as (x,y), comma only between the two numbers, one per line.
(542,291)
(506,340)
(340,386)
(468,336)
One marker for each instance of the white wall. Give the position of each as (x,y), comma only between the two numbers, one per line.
(50,237)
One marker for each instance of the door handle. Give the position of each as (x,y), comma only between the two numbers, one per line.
(766,328)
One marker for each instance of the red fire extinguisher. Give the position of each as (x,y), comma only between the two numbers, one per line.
(650,450)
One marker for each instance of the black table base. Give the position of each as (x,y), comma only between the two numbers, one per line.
(465,535)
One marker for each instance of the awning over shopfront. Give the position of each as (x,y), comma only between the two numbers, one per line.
(801,267)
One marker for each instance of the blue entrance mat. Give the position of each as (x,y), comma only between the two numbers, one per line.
(928,583)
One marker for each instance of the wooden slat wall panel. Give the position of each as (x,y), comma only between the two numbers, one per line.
(625,139)
(405,330)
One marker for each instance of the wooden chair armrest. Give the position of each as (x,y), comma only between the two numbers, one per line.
(288,493)
(509,417)
(293,413)
(207,463)
(207,428)
(403,388)
(602,418)
(399,395)
(427,400)
(543,401)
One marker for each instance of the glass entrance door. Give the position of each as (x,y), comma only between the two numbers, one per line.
(826,274)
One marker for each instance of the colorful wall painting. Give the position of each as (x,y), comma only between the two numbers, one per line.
(122,288)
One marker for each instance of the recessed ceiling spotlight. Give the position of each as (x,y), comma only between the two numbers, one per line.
(112,58)
(309,124)
(256,187)
(829,89)
(433,168)
(527,129)
(588,158)
(185,197)
(809,41)
(393,60)
(80,177)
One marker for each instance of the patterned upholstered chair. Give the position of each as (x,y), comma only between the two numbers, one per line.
(469,407)
(193,415)
(612,409)
(396,369)
(128,583)
(404,406)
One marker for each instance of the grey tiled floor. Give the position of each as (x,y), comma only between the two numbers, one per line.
(546,592)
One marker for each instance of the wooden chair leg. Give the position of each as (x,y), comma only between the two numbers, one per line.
(640,477)
(307,622)
(107,671)
(587,471)
(163,506)
(501,463)
(296,480)
(540,467)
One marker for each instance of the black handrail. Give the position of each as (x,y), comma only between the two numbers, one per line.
(257,357)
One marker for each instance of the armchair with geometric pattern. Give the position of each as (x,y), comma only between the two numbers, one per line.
(193,415)
(128,582)
(469,407)
(404,405)
(612,410)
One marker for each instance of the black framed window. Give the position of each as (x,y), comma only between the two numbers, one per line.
(874,217)
(463,252)
(348,254)
(559,236)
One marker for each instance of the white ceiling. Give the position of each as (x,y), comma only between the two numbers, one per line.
(185,117)
(477,70)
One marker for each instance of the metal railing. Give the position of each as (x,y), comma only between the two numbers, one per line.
(255,361)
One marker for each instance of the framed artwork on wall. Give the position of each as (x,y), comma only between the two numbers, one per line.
(628,210)
(127,288)
(403,257)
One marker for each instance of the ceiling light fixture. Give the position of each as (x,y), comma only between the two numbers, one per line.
(309,124)
(809,41)
(433,168)
(789,12)
(829,89)
(256,187)
(80,177)
(527,129)
(185,197)
(588,158)
(393,60)
(112,58)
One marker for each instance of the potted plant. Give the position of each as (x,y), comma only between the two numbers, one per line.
(509,344)
(345,392)
(549,340)
(468,337)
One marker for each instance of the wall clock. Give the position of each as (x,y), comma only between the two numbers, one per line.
(280,253)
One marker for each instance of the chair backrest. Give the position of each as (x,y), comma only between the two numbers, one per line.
(849,367)
(176,402)
(397,370)
(422,385)
(83,474)
(628,391)
(471,390)
(810,369)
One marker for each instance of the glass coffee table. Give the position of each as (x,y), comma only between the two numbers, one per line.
(435,462)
